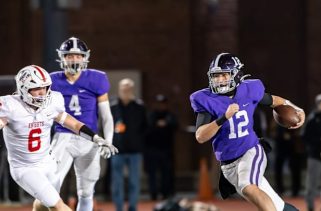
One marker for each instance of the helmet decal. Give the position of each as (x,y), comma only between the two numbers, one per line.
(40,72)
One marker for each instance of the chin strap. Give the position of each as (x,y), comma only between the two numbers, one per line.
(244,76)
(230,93)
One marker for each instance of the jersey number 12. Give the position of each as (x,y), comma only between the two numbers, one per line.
(240,130)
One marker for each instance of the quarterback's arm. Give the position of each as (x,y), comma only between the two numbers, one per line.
(281,101)
(274,101)
(207,129)
(277,101)
(106,117)
(3,122)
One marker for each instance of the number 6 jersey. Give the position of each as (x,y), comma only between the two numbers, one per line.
(27,133)
(236,135)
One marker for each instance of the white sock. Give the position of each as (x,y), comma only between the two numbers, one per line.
(278,202)
(85,204)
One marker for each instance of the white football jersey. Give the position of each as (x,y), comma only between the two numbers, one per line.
(27,133)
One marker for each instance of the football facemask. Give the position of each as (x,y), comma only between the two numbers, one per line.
(73,46)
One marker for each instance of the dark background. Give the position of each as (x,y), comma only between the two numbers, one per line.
(172,44)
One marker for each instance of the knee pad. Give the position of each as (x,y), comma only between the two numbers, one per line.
(85,192)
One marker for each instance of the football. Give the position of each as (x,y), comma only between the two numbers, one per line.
(286,116)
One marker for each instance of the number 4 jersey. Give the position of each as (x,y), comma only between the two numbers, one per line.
(236,135)
(27,133)
(81,96)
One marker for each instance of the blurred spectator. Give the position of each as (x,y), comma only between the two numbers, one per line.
(288,148)
(130,125)
(158,149)
(312,141)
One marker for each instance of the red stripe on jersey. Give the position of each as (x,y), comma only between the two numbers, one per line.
(41,73)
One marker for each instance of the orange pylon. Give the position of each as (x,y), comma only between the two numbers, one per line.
(205,191)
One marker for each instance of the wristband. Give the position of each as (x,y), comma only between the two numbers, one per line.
(219,121)
(86,133)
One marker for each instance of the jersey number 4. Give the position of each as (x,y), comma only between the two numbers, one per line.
(74,105)
(34,142)
(241,129)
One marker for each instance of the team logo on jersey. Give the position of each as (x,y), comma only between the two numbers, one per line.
(36,124)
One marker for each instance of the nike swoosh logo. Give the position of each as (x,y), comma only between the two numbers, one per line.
(82,90)
(246,104)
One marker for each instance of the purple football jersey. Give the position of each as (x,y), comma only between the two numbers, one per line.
(236,135)
(81,96)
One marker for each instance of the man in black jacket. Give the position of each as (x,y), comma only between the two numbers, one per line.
(130,124)
(159,146)
(312,139)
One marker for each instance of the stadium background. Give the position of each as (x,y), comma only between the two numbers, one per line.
(171,43)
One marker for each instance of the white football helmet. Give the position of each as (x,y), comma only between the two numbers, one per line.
(30,77)
(73,46)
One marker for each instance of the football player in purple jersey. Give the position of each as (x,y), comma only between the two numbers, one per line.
(85,92)
(225,117)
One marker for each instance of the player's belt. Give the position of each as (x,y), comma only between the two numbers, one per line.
(226,162)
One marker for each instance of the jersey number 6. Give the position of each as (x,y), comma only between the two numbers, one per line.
(34,142)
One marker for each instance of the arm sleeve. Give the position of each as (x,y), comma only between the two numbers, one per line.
(107,121)
(203,118)
(267,100)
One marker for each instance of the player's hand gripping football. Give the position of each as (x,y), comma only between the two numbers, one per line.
(301,115)
(300,112)
(105,150)
(231,110)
